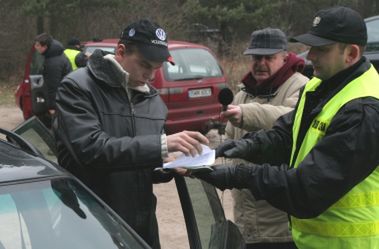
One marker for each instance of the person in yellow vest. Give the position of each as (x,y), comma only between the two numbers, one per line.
(319,163)
(74,54)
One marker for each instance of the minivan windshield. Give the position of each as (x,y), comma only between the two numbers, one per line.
(60,214)
(190,64)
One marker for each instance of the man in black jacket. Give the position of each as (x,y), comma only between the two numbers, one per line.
(55,67)
(110,126)
(319,162)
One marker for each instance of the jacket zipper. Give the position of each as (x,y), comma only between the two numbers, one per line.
(133,118)
(132,111)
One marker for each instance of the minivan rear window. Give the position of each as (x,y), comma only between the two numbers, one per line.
(190,64)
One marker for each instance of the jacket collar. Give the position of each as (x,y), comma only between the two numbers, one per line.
(334,84)
(104,70)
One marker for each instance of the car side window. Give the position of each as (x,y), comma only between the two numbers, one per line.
(37,134)
(207,226)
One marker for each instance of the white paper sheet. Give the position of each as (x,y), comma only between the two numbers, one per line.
(206,158)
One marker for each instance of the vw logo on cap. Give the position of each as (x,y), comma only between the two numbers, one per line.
(132,32)
(160,34)
(316,21)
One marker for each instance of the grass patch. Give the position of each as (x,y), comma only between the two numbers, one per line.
(235,70)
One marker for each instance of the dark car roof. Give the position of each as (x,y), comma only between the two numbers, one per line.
(16,165)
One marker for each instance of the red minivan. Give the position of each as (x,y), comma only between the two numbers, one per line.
(189,88)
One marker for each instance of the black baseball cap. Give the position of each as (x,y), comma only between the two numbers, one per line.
(266,41)
(150,39)
(73,41)
(336,24)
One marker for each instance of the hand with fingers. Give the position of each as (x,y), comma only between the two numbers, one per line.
(233,114)
(188,142)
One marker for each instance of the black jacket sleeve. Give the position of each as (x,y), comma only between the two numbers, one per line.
(345,156)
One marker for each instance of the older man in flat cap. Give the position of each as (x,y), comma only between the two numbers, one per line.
(269,90)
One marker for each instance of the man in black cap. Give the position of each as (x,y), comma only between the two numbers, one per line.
(109,126)
(269,90)
(319,162)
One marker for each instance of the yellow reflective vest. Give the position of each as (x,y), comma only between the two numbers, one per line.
(71,54)
(353,221)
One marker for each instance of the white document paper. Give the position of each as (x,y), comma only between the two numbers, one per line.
(207,157)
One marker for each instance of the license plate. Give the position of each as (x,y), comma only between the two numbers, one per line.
(196,93)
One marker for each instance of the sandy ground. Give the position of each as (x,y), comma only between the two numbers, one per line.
(172,228)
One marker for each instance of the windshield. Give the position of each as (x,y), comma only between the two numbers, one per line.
(58,214)
(190,64)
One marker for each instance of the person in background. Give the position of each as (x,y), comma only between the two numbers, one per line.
(319,163)
(109,126)
(55,67)
(74,54)
(269,90)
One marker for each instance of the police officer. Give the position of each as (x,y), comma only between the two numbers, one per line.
(74,53)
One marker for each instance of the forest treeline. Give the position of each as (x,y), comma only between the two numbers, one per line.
(224,25)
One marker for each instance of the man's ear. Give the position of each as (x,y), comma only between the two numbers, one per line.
(120,50)
(353,54)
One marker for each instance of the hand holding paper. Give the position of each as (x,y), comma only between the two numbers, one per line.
(206,158)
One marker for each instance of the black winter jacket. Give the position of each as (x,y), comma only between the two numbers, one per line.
(346,155)
(55,67)
(112,142)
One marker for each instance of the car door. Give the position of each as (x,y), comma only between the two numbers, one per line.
(207,227)
(39,94)
(205,220)
(37,87)
(37,134)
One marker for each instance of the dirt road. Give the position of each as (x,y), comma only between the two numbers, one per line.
(172,228)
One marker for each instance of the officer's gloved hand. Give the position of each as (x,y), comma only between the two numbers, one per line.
(227,145)
(242,148)
(220,177)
